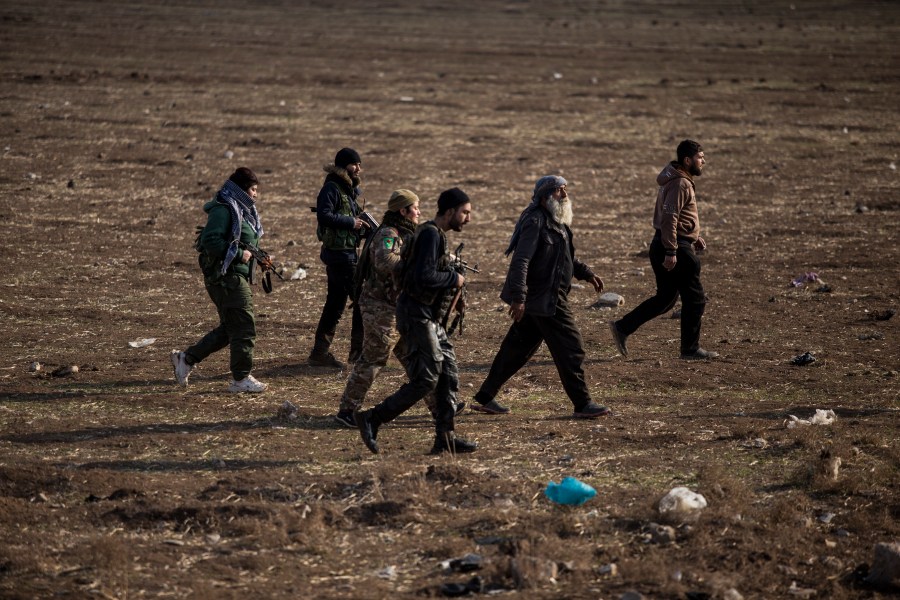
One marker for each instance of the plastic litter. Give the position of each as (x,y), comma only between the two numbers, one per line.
(300,273)
(142,342)
(822,417)
(570,491)
(804,359)
(804,278)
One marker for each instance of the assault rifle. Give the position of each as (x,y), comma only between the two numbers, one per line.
(264,260)
(458,303)
(370,223)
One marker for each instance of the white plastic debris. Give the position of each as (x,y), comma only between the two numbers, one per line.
(822,417)
(142,342)
(300,273)
(681,505)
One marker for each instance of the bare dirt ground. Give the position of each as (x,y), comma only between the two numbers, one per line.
(119,120)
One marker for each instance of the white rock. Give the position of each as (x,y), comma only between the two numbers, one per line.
(141,343)
(609,299)
(681,505)
(300,273)
(35,367)
(229,154)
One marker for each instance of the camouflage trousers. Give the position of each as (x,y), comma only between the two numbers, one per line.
(380,339)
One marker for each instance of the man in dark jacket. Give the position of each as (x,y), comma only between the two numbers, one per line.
(673,257)
(339,229)
(430,360)
(536,289)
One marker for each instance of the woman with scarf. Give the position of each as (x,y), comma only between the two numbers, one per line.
(232,223)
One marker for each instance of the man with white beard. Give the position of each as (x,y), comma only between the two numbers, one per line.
(537,288)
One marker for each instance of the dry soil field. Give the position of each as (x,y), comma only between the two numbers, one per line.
(120,119)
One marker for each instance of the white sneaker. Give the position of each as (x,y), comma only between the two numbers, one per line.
(182,369)
(249,384)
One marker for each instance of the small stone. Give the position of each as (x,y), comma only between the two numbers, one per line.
(662,534)
(612,569)
(65,371)
(35,366)
(631,595)
(732,594)
(609,300)
(229,154)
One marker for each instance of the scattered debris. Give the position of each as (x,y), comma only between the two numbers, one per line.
(805,278)
(465,564)
(874,335)
(288,411)
(822,417)
(389,573)
(681,505)
(141,343)
(609,300)
(455,590)
(570,491)
(612,569)
(65,371)
(35,366)
(804,359)
(660,534)
(800,592)
(300,273)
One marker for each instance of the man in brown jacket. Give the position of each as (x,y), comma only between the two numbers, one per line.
(672,255)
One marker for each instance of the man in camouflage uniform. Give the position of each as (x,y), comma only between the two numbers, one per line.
(378,272)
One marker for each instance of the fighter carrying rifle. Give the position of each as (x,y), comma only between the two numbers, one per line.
(458,303)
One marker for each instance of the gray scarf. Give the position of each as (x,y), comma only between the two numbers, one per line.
(241,206)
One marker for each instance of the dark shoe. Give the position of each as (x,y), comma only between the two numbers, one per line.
(345,417)
(491,408)
(354,356)
(324,359)
(700,354)
(368,429)
(619,338)
(448,442)
(591,410)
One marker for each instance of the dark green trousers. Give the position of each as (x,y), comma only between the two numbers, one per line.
(237,328)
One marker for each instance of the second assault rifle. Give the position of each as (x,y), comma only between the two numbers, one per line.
(458,303)
(264,260)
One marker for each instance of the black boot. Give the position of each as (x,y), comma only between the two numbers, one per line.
(448,442)
(368,429)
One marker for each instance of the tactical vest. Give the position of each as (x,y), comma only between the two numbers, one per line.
(434,297)
(340,239)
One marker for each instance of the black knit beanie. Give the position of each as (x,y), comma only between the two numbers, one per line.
(346,156)
(451,199)
(244,178)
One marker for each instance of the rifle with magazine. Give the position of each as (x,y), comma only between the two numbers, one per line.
(264,260)
(458,303)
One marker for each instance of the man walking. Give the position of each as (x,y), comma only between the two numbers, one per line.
(430,362)
(537,288)
(672,255)
(339,229)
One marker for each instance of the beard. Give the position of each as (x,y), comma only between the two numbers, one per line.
(356,179)
(560,210)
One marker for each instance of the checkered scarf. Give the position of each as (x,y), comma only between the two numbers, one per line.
(241,207)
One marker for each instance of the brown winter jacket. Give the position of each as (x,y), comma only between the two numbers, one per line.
(675,215)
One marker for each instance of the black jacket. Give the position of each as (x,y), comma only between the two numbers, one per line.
(538,269)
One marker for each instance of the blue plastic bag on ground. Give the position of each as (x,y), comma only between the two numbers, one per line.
(570,491)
